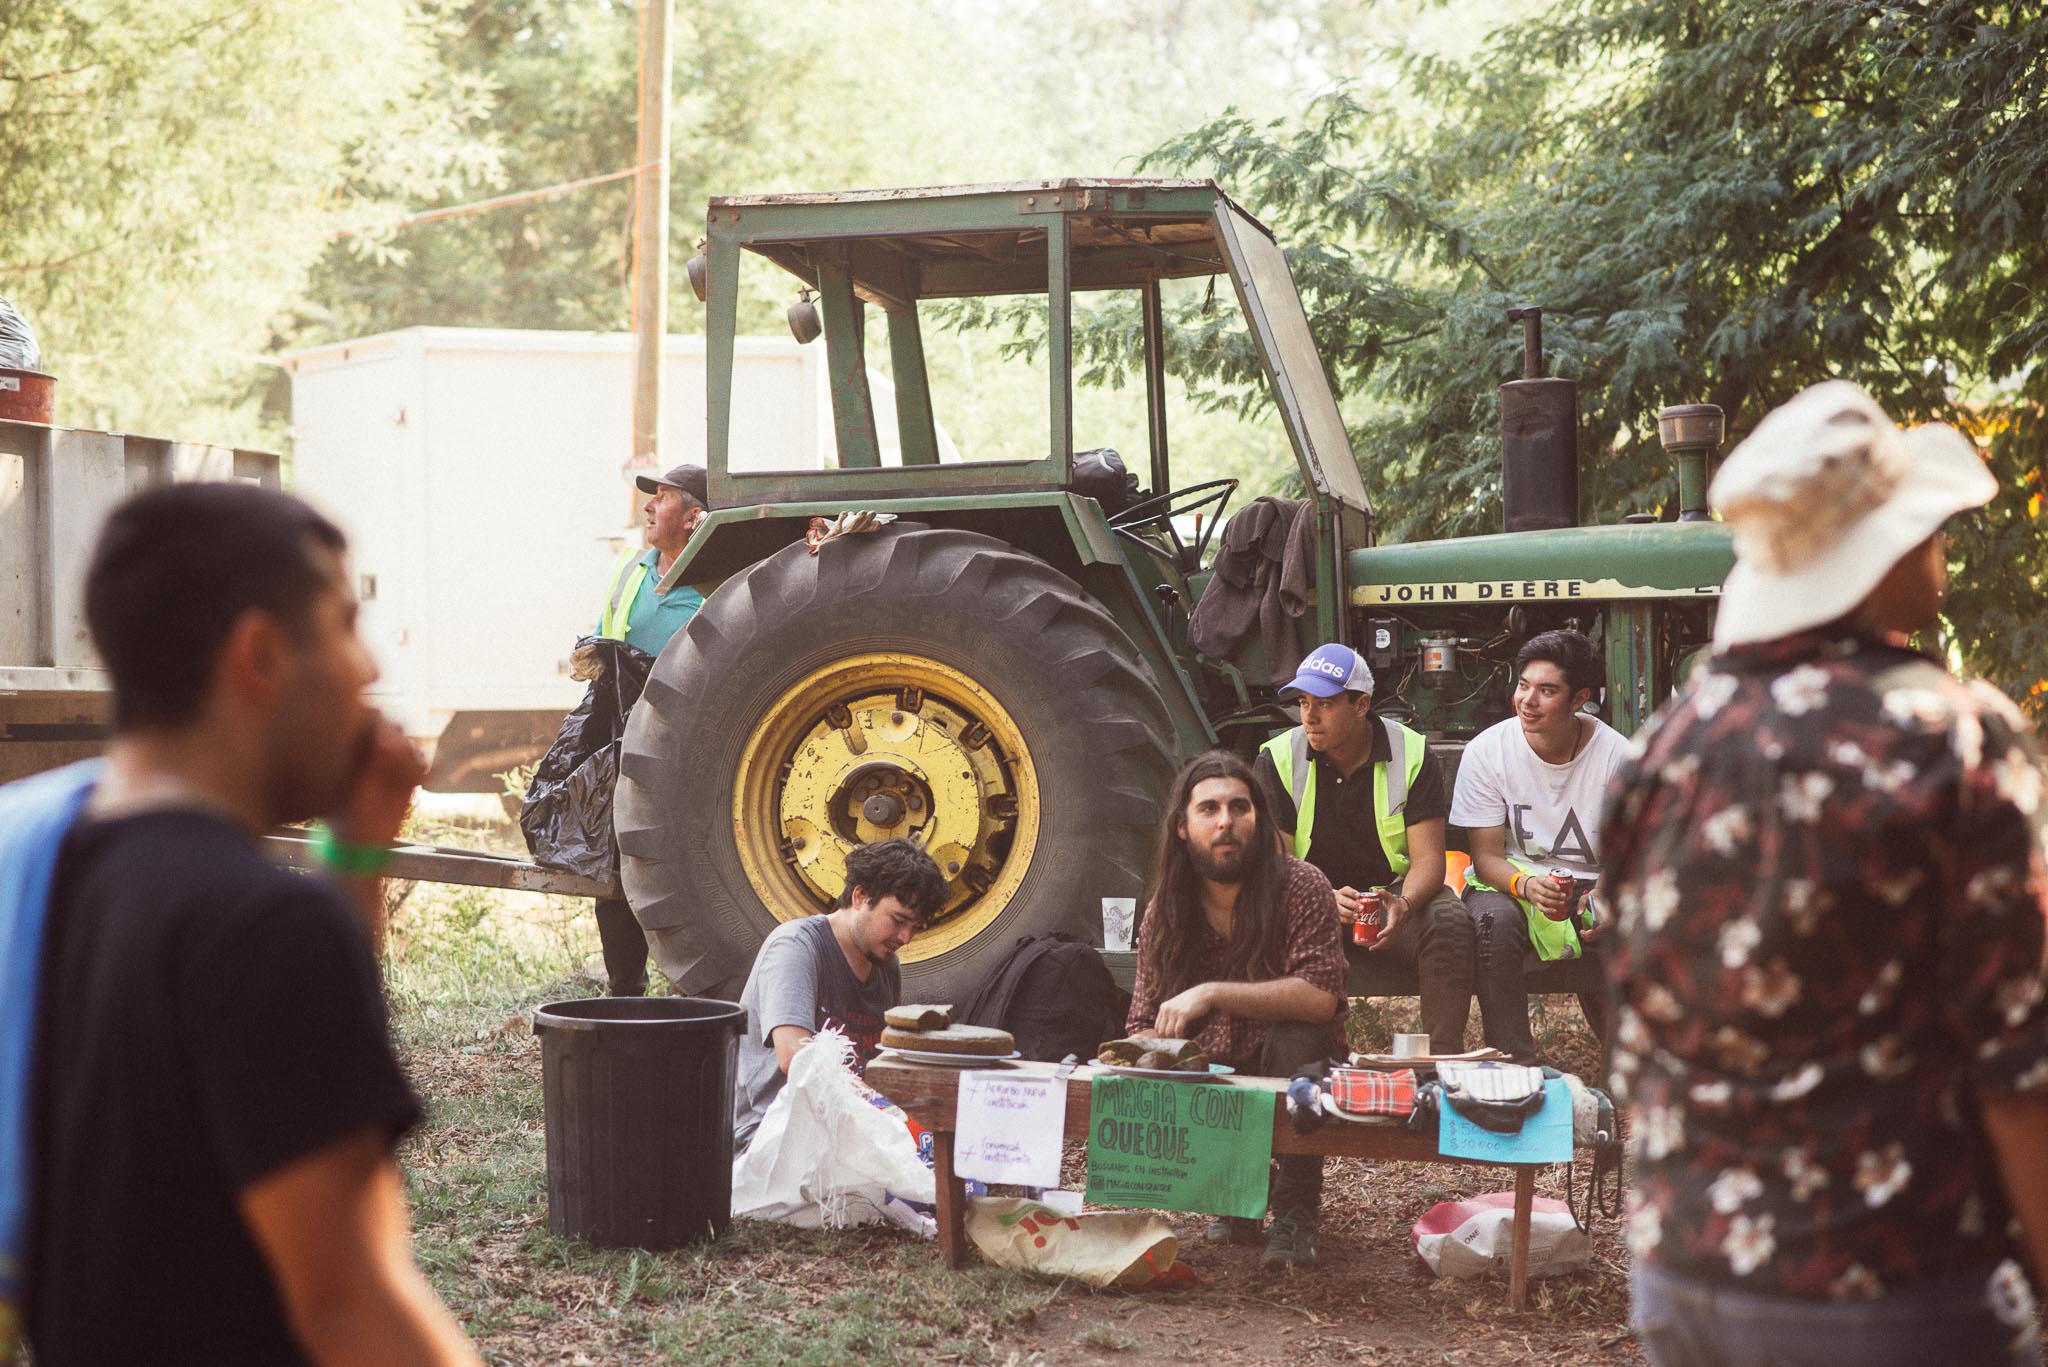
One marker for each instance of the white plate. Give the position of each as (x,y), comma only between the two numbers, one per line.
(1216,1070)
(948,1060)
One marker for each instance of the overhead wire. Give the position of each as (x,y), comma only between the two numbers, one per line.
(479,206)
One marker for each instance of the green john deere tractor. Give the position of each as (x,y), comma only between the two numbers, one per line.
(1003,671)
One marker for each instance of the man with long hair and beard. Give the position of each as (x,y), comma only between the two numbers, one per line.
(1238,949)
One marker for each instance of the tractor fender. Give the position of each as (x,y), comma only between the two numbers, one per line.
(1066,530)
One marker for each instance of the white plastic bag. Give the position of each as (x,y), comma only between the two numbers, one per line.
(826,1155)
(1470,1238)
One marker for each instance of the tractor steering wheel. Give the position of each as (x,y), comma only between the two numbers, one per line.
(1163,508)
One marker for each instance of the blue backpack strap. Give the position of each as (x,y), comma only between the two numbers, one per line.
(35,814)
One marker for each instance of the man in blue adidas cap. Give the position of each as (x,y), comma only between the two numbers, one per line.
(1362,799)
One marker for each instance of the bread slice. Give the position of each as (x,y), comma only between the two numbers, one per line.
(978,1040)
(918,1017)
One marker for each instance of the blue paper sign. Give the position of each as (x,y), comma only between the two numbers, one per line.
(1546,1136)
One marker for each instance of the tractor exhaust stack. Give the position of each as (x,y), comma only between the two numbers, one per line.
(1539,439)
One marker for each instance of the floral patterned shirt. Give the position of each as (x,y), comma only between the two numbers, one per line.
(1827,867)
(1315,954)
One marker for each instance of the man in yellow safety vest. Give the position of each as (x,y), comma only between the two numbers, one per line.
(638,613)
(1362,799)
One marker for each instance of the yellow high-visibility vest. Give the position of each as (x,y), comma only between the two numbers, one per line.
(627,576)
(1391,782)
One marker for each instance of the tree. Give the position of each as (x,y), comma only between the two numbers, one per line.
(1720,200)
(193,186)
(818,94)
(562,107)
(172,170)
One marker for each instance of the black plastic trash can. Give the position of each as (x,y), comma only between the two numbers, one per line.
(637,1099)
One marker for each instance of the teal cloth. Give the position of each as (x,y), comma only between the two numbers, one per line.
(653,617)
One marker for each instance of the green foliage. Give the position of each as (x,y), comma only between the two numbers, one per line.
(171,170)
(1724,200)
(460,943)
(563,105)
(821,94)
(559,106)
(192,186)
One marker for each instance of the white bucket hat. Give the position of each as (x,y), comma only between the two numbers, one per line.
(1824,497)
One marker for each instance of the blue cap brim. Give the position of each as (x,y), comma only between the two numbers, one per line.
(1316,684)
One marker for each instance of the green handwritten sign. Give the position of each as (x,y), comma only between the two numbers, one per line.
(1179,1145)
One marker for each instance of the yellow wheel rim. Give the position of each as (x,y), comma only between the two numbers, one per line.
(878,746)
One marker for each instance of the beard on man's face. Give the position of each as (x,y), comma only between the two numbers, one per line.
(1219,863)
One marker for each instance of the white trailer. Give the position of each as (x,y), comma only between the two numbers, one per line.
(482,477)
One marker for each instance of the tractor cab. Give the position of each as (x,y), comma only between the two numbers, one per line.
(908,254)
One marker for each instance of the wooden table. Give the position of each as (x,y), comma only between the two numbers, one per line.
(928,1093)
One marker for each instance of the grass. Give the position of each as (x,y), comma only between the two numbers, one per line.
(465,970)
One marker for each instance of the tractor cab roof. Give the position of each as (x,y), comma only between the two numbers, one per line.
(936,242)
(1054,238)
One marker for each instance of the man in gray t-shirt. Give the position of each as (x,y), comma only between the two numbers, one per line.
(836,970)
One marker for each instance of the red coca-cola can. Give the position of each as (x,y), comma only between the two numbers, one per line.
(1568,884)
(1372,918)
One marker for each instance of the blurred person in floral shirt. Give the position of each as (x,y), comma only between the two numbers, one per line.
(1826,858)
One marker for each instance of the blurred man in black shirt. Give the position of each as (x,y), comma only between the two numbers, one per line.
(214,1095)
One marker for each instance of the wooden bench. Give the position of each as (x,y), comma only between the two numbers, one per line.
(1377,975)
(928,1094)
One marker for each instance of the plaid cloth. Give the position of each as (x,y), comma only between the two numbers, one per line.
(1361,1091)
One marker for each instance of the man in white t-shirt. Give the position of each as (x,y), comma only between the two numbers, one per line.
(1530,792)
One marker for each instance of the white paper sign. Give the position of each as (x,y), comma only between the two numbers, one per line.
(1009,1127)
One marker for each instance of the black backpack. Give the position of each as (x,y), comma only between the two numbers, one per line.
(1055,994)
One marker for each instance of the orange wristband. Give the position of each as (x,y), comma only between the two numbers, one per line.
(1515,883)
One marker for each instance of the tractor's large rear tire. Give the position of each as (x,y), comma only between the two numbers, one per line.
(933,683)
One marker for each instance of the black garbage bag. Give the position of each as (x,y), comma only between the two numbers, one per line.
(18,349)
(1100,474)
(567,815)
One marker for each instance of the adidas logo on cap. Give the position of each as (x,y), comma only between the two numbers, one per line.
(1328,664)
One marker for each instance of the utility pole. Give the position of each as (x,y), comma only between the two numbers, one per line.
(650,236)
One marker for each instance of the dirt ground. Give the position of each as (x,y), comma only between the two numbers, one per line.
(467,968)
(768,1294)
(1370,1300)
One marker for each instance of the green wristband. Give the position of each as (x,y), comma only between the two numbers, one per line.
(349,858)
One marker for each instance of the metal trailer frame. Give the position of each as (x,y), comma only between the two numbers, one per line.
(56,485)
